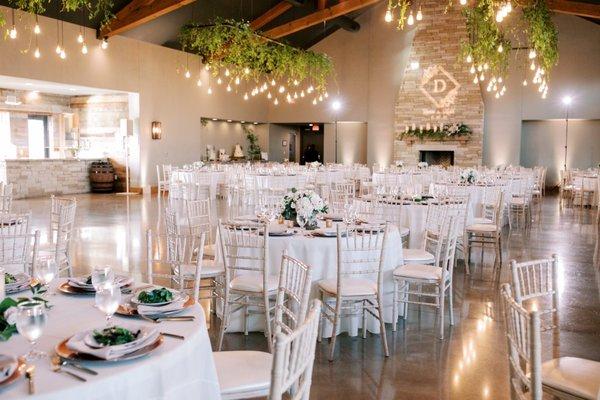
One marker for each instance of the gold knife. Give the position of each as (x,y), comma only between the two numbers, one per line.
(29,374)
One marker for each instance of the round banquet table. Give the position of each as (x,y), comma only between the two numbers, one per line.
(211,178)
(281,182)
(321,254)
(178,369)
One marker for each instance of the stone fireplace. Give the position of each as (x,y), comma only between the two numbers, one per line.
(437,157)
(439,92)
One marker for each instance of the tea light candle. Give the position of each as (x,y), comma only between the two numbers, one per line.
(328,223)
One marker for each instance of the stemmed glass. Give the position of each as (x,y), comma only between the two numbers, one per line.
(102,276)
(45,271)
(301,220)
(108,298)
(31,319)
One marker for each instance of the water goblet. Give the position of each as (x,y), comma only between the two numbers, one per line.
(102,276)
(108,298)
(45,271)
(31,319)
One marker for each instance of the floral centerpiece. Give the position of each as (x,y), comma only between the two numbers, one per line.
(305,203)
(8,318)
(469,176)
(399,163)
(422,165)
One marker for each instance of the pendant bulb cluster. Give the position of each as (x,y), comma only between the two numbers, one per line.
(410,20)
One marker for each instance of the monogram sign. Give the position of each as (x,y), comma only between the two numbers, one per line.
(441,89)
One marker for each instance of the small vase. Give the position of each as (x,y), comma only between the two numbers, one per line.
(312,224)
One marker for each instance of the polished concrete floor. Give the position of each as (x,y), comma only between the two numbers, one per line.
(470,363)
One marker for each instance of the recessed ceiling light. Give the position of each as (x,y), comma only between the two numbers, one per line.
(256,123)
(214,119)
(228,120)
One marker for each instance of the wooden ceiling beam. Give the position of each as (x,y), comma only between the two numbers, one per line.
(317,17)
(589,10)
(139,12)
(271,14)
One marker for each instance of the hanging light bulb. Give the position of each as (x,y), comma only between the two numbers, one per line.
(207,67)
(475,80)
(58,49)
(63,54)
(288,98)
(209,91)
(500,48)
(411,19)
(482,77)
(84,49)
(219,81)
(486,66)
(310,89)
(302,93)
(13,32)
(281,89)
(246,70)
(228,88)
(226,72)
(508,7)
(187,73)
(479,68)
(499,16)
(269,96)
(80,38)
(276,101)
(104,44)
(532,54)
(388,16)
(463,2)
(500,80)
(199,82)
(37,53)
(472,70)
(36,29)
(524,82)
(273,83)
(295,95)
(246,96)
(237,80)
(532,66)
(296,83)
(320,97)
(469,58)
(419,14)
(314,102)
(326,95)
(489,89)
(497,95)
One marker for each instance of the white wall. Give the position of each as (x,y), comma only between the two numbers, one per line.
(225,135)
(133,66)
(543,144)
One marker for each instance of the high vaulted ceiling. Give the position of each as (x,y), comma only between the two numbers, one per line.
(301,23)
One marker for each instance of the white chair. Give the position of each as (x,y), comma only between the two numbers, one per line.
(359,257)
(248,283)
(537,279)
(177,253)
(564,378)
(14,224)
(437,277)
(426,253)
(5,203)
(163,174)
(62,222)
(285,374)
(487,234)
(458,206)
(199,220)
(19,252)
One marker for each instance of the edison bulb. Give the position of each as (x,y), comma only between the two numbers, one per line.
(276,101)
(237,80)
(246,96)
(497,95)
(281,89)
(57,50)
(269,95)
(411,19)
(84,49)
(500,80)
(37,53)
(469,58)
(273,83)
(63,54)
(388,16)
(219,81)
(226,72)
(463,2)
(302,93)
(207,67)
(80,38)
(314,102)
(246,70)
(228,88)
(532,54)
(479,68)
(532,66)
(419,15)
(475,80)
(486,66)
(36,29)
(472,70)
(13,32)
(187,73)
(482,77)
(499,17)
(209,91)
(104,44)
(524,82)
(199,82)
(500,48)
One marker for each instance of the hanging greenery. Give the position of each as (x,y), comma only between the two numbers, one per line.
(543,35)
(487,47)
(101,9)
(247,54)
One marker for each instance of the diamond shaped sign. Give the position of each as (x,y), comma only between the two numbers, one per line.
(440,88)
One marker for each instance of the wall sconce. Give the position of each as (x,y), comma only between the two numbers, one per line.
(156,130)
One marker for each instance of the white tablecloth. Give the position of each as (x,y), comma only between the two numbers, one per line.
(176,370)
(321,254)
(203,177)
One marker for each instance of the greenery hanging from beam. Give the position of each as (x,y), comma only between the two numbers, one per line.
(245,53)
(101,9)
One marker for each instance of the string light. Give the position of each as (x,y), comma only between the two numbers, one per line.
(36,29)
(281,89)
(269,95)
(302,93)
(419,14)
(273,83)
(314,102)
(187,73)
(472,70)
(13,31)
(84,48)
(463,2)
(209,91)
(246,96)
(199,82)
(226,72)
(80,37)
(228,88)
(500,48)
(219,81)
(524,82)
(104,44)
(469,58)
(411,19)
(276,102)
(237,80)
(388,16)
(63,54)
(37,53)
(532,54)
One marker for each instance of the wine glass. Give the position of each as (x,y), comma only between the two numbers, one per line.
(108,298)
(45,271)
(31,319)
(102,276)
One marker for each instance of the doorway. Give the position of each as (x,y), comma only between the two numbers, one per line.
(37,136)
(312,139)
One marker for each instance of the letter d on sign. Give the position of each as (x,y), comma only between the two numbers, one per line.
(439,85)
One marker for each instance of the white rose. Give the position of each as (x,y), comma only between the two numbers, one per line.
(10,315)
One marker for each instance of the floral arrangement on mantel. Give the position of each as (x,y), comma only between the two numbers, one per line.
(457,131)
(247,55)
(303,202)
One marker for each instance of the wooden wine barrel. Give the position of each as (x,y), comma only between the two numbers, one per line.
(102,176)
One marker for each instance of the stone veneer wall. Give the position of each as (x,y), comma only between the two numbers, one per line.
(455,98)
(35,178)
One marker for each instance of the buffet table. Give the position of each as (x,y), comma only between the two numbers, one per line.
(177,369)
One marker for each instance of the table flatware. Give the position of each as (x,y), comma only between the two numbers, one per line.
(58,369)
(66,363)
(29,374)
(172,335)
(70,355)
(158,320)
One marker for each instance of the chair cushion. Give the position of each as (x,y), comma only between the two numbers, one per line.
(253,283)
(482,228)
(243,374)
(417,255)
(517,201)
(350,286)
(210,250)
(481,220)
(419,271)
(576,376)
(210,268)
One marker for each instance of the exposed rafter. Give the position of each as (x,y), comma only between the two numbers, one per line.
(271,14)
(139,12)
(589,10)
(318,17)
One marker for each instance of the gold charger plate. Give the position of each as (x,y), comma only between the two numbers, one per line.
(131,311)
(72,290)
(15,375)
(63,351)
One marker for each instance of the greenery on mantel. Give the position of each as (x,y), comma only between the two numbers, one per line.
(246,54)
(97,8)
(445,132)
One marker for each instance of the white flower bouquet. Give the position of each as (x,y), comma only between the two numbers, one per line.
(306,203)
(469,176)
(422,165)
(399,164)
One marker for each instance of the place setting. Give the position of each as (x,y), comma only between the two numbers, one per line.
(86,284)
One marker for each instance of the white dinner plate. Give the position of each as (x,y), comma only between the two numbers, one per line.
(134,298)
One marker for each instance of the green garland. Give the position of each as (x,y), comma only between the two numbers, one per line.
(246,54)
(451,131)
(485,39)
(98,8)
(542,34)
